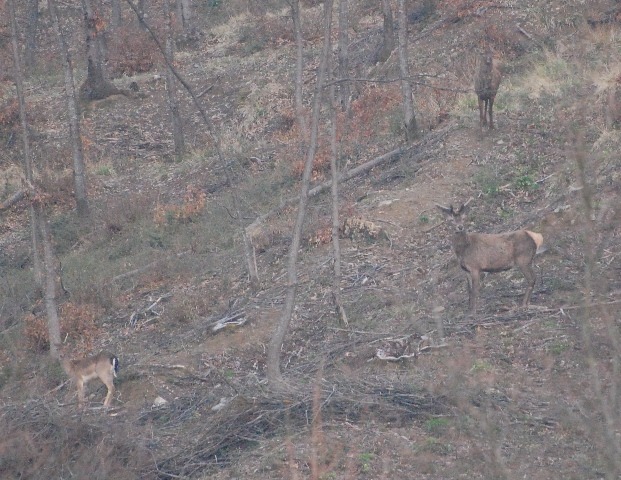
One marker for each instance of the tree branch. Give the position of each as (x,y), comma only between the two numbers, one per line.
(13,199)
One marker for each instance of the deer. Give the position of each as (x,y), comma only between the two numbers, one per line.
(480,252)
(104,366)
(486,83)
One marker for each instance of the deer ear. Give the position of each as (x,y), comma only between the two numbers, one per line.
(465,208)
(445,210)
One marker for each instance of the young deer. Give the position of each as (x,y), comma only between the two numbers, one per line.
(486,83)
(479,252)
(104,366)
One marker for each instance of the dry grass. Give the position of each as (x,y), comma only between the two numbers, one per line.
(515,393)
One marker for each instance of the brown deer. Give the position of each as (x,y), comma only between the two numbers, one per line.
(486,83)
(104,366)
(479,252)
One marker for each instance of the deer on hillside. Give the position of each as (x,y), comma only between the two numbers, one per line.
(104,366)
(486,83)
(479,252)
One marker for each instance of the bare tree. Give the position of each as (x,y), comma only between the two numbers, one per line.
(299,63)
(274,374)
(116,16)
(31,34)
(336,245)
(184,11)
(96,85)
(51,309)
(388,41)
(142,12)
(173,103)
(343,55)
(409,119)
(74,123)
(37,218)
(38,270)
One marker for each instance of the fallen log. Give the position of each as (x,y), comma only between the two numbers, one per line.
(13,199)
(391,156)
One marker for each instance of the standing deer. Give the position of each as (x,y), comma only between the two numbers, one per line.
(479,252)
(486,83)
(104,366)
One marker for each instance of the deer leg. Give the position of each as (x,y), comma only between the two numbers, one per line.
(80,384)
(474,285)
(482,119)
(491,114)
(529,275)
(110,386)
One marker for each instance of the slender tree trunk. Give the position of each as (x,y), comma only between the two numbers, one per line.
(102,37)
(343,55)
(36,259)
(336,245)
(299,64)
(274,374)
(388,44)
(409,119)
(116,16)
(51,307)
(96,86)
(36,214)
(79,181)
(96,45)
(611,109)
(184,9)
(248,252)
(31,34)
(142,12)
(173,103)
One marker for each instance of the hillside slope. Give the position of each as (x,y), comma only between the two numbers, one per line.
(508,393)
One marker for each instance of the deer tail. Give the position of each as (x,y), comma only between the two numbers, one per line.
(115,365)
(537,238)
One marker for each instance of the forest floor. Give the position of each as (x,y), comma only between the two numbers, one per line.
(510,392)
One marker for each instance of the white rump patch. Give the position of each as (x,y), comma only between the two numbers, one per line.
(537,238)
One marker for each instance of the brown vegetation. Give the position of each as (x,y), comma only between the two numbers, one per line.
(510,393)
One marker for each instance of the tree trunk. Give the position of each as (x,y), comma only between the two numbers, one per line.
(274,375)
(116,16)
(184,9)
(409,119)
(299,108)
(51,308)
(36,259)
(336,223)
(611,110)
(388,43)
(96,86)
(343,55)
(31,34)
(173,104)
(74,123)
(142,13)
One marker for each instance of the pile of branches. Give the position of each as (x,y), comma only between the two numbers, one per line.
(219,439)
